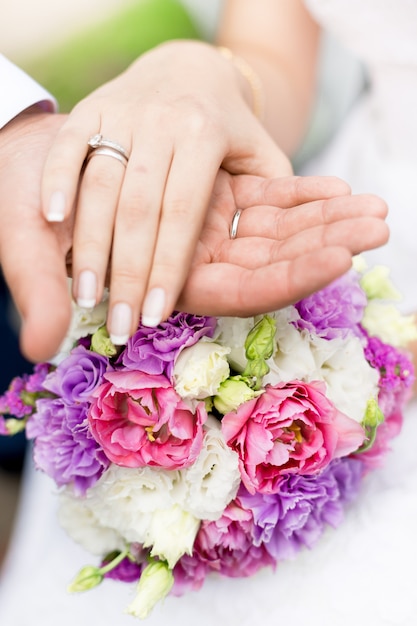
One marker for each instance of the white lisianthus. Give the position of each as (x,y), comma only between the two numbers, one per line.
(214,478)
(339,362)
(171,533)
(154,584)
(85,527)
(386,322)
(293,358)
(200,369)
(232,332)
(126,498)
(350,379)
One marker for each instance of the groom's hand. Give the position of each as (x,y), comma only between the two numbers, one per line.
(295,235)
(32,252)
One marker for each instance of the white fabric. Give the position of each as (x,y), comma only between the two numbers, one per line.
(19,91)
(363,573)
(375,150)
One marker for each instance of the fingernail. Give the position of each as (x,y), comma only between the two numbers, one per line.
(56,209)
(121,322)
(153,307)
(87,289)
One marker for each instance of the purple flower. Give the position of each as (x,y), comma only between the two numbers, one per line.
(12,402)
(78,375)
(225,546)
(127,571)
(336,310)
(36,380)
(296,515)
(395,367)
(64,447)
(154,350)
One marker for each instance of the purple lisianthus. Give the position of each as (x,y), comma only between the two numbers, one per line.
(296,516)
(334,311)
(77,376)
(64,447)
(154,350)
(225,546)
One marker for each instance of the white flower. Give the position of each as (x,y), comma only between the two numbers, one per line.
(349,378)
(84,526)
(154,584)
(386,322)
(200,369)
(294,358)
(126,498)
(214,478)
(232,332)
(341,363)
(171,533)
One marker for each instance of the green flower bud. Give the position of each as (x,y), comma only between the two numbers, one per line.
(87,578)
(259,346)
(260,342)
(155,583)
(372,419)
(102,344)
(232,393)
(15,426)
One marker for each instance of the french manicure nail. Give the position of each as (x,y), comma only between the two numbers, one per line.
(153,307)
(56,209)
(120,323)
(87,289)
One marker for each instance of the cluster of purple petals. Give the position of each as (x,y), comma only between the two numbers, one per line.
(224,546)
(13,401)
(262,529)
(297,515)
(336,310)
(127,571)
(395,368)
(64,447)
(154,350)
(75,378)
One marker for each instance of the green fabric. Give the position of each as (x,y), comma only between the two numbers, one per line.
(97,54)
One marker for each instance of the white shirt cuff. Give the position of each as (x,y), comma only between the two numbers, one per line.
(19,91)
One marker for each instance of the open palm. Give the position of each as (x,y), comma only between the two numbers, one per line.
(295,235)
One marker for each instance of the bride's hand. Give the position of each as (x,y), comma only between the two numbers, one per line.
(294,236)
(180,112)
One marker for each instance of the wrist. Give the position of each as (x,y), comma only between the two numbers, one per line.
(252,79)
(216,66)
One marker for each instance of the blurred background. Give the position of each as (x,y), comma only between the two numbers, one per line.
(72,48)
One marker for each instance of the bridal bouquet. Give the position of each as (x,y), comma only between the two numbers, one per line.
(216,444)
